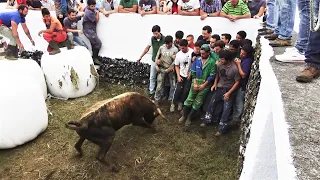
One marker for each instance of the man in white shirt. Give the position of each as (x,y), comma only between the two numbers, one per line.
(182,66)
(109,6)
(48,4)
(189,7)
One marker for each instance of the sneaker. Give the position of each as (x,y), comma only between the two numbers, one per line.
(266,32)
(172,107)
(308,74)
(271,37)
(180,106)
(291,55)
(280,42)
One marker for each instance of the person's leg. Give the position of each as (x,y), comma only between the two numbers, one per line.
(237,107)
(286,19)
(272,18)
(153,78)
(227,106)
(215,100)
(70,37)
(172,80)
(160,84)
(7,32)
(53,47)
(312,59)
(176,96)
(95,42)
(79,41)
(186,88)
(188,104)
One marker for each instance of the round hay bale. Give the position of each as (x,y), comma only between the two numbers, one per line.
(24,67)
(70,73)
(23,111)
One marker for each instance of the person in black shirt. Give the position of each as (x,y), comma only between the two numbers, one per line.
(206,35)
(34,4)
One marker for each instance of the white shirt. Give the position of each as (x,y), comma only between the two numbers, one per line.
(47,4)
(189,6)
(107,6)
(183,60)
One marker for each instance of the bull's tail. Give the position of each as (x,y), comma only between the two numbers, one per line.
(75,125)
(160,113)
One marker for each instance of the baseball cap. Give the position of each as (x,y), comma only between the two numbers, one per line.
(205,47)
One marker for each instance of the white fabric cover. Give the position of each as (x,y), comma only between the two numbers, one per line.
(25,67)
(23,111)
(57,70)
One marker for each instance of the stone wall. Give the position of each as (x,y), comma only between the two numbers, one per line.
(250,104)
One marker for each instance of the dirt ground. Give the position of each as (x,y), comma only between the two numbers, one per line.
(136,154)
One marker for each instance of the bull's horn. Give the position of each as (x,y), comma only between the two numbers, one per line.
(159,111)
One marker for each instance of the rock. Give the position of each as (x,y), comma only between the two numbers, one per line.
(127,73)
(70,73)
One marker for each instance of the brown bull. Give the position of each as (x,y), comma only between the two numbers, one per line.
(103,119)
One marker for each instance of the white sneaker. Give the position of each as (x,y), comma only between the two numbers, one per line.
(290,49)
(291,55)
(180,106)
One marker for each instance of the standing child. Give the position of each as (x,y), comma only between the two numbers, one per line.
(90,20)
(182,66)
(165,67)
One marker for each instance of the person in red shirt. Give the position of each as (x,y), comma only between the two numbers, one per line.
(19,2)
(190,40)
(54,34)
(174,7)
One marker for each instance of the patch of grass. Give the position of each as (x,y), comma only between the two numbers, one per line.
(136,153)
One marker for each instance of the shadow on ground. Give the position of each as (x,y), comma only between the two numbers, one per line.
(136,153)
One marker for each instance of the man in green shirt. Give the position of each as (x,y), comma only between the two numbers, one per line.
(157,40)
(202,73)
(235,9)
(128,6)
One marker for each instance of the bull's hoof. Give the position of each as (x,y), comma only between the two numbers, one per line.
(102,161)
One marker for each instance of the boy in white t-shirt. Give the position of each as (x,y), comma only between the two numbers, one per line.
(189,7)
(182,66)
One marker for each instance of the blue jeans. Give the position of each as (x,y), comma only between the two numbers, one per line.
(76,39)
(287,11)
(153,78)
(272,17)
(238,105)
(313,50)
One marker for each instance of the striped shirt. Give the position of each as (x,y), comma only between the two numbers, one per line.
(215,6)
(240,9)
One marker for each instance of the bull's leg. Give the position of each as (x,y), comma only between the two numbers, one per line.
(104,148)
(141,122)
(79,144)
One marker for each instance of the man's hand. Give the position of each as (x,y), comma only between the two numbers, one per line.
(139,60)
(196,87)
(106,14)
(21,47)
(237,61)
(256,17)
(157,69)
(39,33)
(173,56)
(189,76)
(204,16)
(226,96)
(60,16)
(32,42)
(169,70)
(213,87)
(179,79)
(175,13)
(80,31)
(232,18)
(142,13)
(158,61)
(201,87)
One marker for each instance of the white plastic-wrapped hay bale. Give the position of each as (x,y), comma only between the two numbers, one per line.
(25,67)
(70,73)
(23,111)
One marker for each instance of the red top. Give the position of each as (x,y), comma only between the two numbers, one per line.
(174,9)
(191,46)
(19,2)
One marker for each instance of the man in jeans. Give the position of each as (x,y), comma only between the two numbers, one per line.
(296,53)
(156,41)
(182,66)
(312,57)
(71,23)
(285,21)
(226,82)
(165,67)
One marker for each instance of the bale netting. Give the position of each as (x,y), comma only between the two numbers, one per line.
(124,72)
(34,55)
(250,104)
